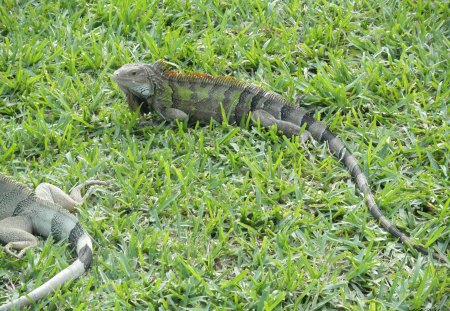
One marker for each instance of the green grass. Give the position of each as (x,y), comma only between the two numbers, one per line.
(215,217)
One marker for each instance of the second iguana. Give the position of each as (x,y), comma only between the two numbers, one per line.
(174,95)
(24,214)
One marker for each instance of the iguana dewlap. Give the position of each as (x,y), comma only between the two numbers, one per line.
(200,97)
(24,214)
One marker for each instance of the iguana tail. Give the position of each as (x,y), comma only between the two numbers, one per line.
(63,225)
(321,133)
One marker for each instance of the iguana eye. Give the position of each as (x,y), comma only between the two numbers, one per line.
(133,73)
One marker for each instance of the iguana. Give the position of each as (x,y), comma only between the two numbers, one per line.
(45,212)
(175,95)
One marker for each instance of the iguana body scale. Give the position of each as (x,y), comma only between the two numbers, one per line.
(24,214)
(200,97)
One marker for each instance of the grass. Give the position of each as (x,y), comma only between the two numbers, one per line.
(216,217)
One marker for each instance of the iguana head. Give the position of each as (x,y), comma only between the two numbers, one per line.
(137,81)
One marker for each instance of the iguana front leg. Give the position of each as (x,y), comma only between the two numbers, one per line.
(170,114)
(52,193)
(287,128)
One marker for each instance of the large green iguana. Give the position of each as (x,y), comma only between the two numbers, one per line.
(45,212)
(199,97)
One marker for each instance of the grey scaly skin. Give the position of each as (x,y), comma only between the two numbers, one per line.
(24,214)
(200,97)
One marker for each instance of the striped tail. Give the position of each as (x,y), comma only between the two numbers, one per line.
(83,244)
(320,132)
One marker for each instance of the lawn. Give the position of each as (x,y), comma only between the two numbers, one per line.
(220,217)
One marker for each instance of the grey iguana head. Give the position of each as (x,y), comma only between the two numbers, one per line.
(137,81)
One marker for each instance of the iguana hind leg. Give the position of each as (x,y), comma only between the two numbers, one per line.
(52,193)
(287,128)
(16,233)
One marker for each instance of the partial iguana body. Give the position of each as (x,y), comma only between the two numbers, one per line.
(199,97)
(24,214)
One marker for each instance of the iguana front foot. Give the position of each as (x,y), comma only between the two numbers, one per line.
(171,114)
